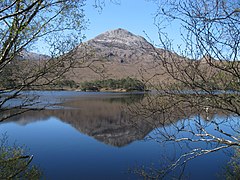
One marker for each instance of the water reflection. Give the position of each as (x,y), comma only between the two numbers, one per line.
(113,119)
(109,119)
(104,118)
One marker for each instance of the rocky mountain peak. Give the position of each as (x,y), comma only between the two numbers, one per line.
(119,46)
(117,33)
(121,36)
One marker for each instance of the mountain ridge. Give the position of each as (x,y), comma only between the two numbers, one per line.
(120,36)
(116,54)
(27,55)
(118,45)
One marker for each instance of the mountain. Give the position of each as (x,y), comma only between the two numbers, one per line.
(115,54)
(27,55)
(119,46)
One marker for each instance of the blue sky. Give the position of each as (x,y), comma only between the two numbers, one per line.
(135,16)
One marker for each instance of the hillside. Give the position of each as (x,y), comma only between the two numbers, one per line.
(116,54)
(113,55)
(118,60)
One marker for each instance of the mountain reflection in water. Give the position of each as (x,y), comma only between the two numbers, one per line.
(105,118)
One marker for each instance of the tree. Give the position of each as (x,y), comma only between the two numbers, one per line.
(14,164)
(57,24)
(203,78)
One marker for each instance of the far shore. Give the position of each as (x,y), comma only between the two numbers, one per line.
(80,90)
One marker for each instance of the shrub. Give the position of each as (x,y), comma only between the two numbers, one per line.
(128,83)
(14,164)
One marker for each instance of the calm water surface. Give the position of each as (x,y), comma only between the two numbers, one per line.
(90,136)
